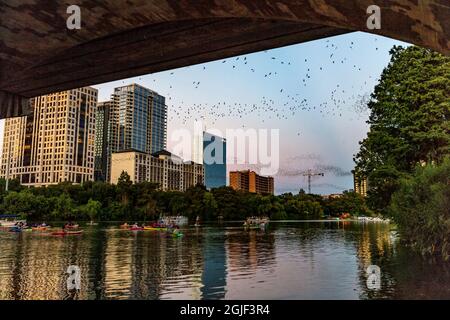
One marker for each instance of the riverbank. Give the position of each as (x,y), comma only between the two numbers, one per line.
(144,202)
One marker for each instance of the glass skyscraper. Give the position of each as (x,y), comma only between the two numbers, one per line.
(142,119)
(102,141)
(214,160)
(138,121)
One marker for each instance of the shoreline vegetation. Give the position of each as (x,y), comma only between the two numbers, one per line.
(405,156)
(98,201)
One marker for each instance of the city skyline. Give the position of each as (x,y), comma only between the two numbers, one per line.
(309,139)
(321,133)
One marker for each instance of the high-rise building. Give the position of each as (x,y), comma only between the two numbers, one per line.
(162,167)
(252,182)
(214,160)
(137,120)
(141,116)
(55,143)
(102,140)
(360,183)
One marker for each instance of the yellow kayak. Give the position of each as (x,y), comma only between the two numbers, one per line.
(155,229)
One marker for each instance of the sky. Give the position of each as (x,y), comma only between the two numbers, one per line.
(313,93)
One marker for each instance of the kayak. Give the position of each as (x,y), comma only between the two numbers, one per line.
(177,234)
(40,228)
(66,233)
(155,228)
(75,226)
(136,228)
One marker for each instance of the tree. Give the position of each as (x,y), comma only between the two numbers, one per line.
(210,206)
(124,187)
(409,121)
(421,208)
(350,202)
(63,208)
(91,209)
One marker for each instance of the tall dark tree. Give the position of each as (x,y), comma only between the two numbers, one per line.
(409,120)
(124,187)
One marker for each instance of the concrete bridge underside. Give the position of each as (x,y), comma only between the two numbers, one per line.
(119,39)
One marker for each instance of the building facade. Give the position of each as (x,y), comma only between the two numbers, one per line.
(214,160)
(169,171)
(252,182)
(137,121)
(55,143)
(360,183)
(102,140)
(140,119)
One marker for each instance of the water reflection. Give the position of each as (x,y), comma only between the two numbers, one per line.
(294,260)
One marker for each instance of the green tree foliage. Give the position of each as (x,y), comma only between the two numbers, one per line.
(421,208)
(91,209)
(409,121)
(210,206)
(350,202)
(124,187)
(145,202)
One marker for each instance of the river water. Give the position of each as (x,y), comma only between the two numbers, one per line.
(290,260)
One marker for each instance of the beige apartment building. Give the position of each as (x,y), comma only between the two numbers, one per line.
(53,144)
(168,170)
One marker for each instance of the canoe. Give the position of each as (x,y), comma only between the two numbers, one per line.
(66,233)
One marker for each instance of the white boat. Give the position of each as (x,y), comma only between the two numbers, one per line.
(373,219)
(256,223)
(8,221)
(197,222)
(174,220)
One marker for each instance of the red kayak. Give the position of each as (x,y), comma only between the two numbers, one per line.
(66,233)
(136,228)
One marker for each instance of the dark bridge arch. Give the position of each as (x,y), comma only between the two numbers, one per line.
(119,39)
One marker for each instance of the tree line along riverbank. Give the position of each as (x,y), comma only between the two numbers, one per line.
(144,202)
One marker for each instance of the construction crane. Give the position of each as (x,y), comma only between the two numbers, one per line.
(310,174)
